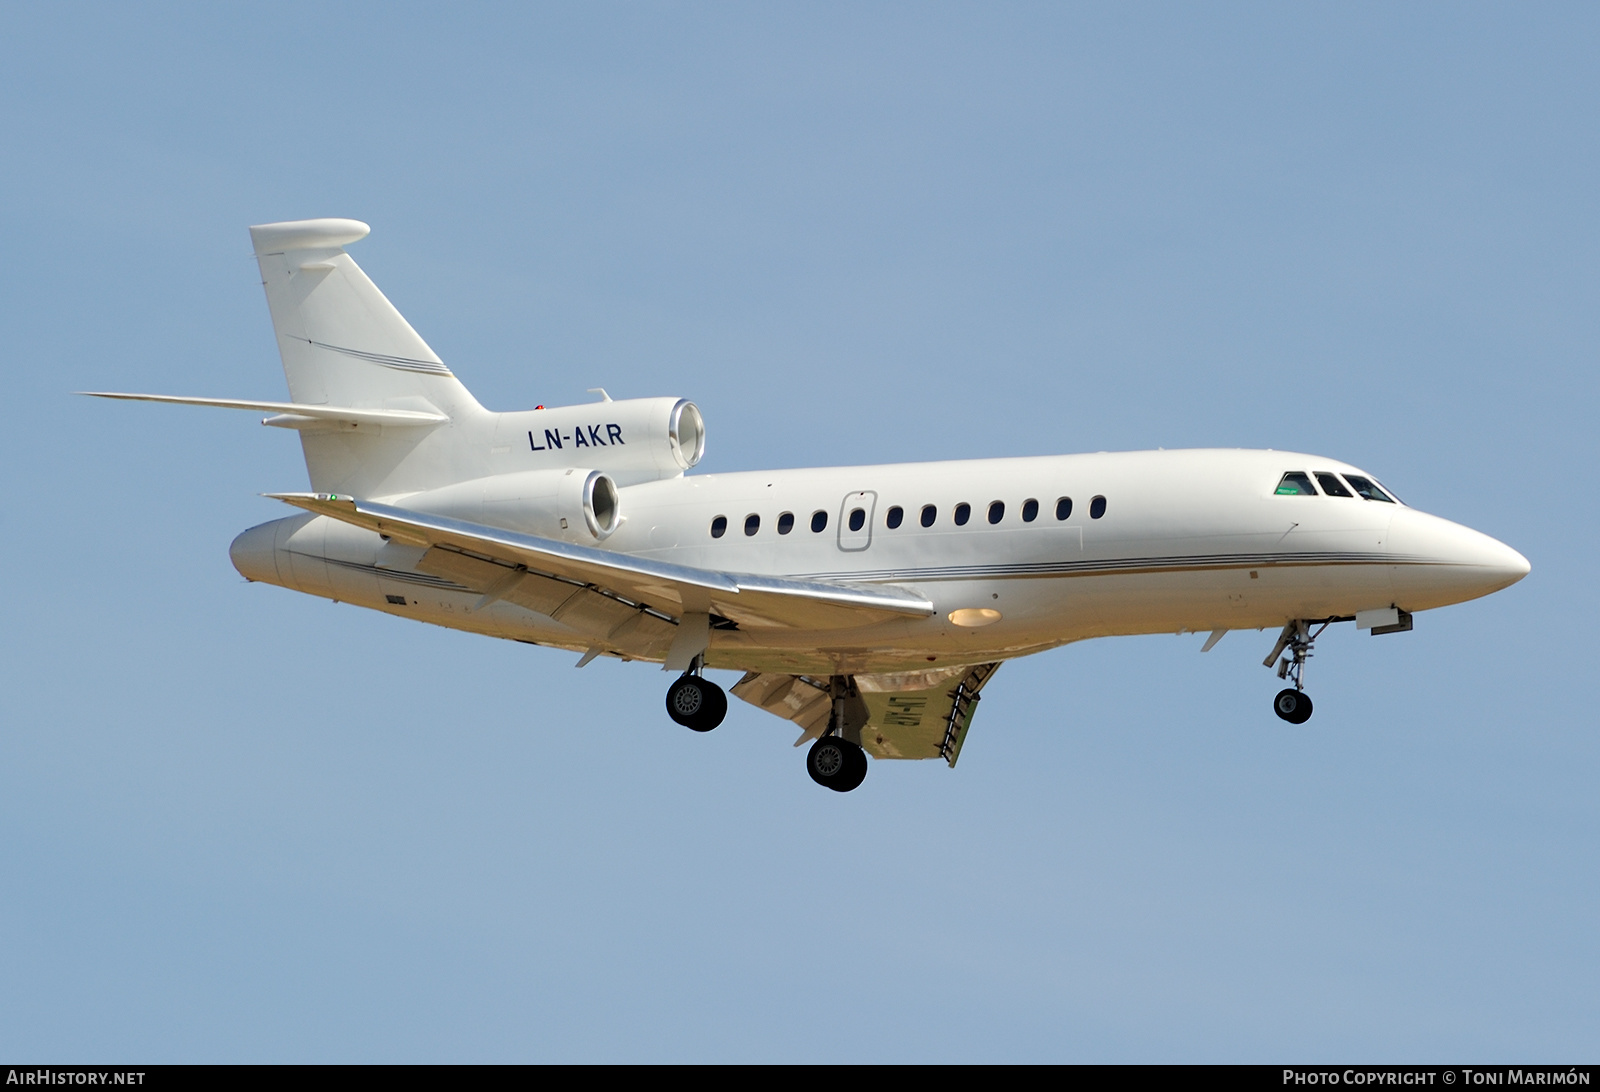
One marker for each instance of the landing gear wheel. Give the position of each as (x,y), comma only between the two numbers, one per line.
(1293,706)
(836,764)
(696,703)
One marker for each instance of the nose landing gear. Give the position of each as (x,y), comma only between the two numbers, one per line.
(695,702)
(1294,705)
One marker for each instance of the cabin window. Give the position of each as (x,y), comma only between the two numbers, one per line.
(997,511)
(1063,507)
(929,514)
(1030,510)
(785,523)
(895,517)
(819,521)
(1331,485)
(963,513)
(1097,508)
(1367,489)
(1295,484)
(858,518)
(719,526)
(752,524)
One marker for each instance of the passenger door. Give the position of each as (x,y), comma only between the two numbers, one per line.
(855,520)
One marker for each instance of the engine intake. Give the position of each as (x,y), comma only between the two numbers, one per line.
(634,440)
(574,505)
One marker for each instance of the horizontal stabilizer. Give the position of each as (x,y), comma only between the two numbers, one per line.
(346,414)
(750,600)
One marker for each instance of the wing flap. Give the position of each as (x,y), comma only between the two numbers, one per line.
(920,714)
(755,601)
(608,623)
(792,697)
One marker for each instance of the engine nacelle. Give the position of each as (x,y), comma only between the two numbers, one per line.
(634,440)
(575,504)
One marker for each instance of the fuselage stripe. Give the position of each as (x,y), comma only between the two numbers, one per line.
(1125,566)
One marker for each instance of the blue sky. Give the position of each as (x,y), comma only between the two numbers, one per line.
(243,824)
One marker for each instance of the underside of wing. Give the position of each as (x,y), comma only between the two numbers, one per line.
(545,575)
(917,714)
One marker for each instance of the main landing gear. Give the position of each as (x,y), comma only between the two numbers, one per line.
(696,703)
(1293,704)
(835,761)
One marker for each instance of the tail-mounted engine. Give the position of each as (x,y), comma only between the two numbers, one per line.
(563,467)
(575,504)
(636,440)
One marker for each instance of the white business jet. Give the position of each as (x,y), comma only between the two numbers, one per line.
(867,604)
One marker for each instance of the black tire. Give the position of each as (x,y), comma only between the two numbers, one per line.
(836,764)
(717,709)
(696,703)
(858,768)
(1293,706)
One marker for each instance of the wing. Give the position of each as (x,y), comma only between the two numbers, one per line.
(916,714)
(548,572)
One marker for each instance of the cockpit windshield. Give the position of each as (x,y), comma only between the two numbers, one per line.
(1295,484)
(1367,489)
(1331,485)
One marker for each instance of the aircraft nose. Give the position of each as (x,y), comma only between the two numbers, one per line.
(1509,564)
(1440,562)
(254,552)
(1491,560)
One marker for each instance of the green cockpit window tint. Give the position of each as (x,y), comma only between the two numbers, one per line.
(1295,484)
(1331,485)
(1367,489)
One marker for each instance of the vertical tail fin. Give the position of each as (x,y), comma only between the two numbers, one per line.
(344,344)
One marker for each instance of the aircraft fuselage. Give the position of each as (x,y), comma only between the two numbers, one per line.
(1051,550)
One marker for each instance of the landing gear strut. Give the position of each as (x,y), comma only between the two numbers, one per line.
(695,702)
(1294,705)
(835,761)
